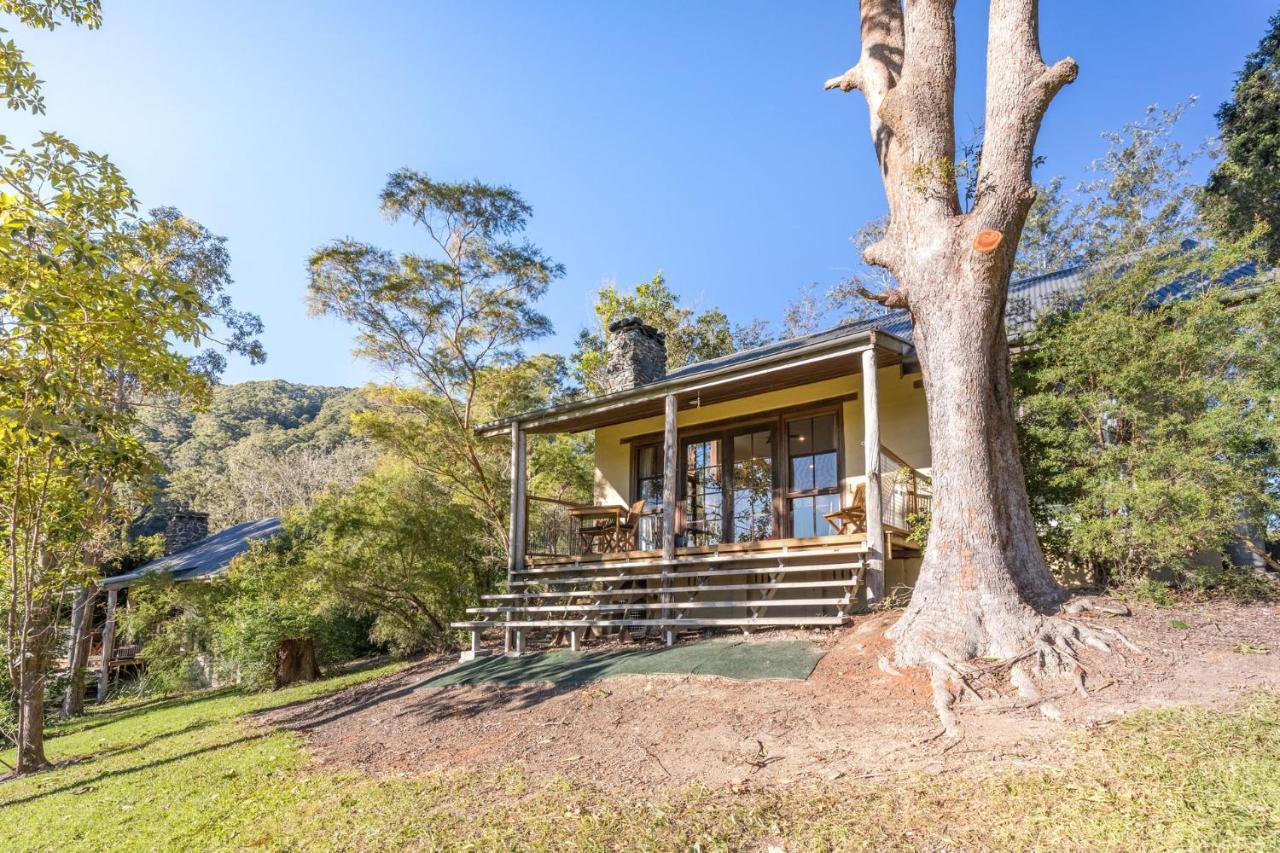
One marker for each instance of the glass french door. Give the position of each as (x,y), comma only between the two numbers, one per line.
(704,492)
(729,487)
(752,483)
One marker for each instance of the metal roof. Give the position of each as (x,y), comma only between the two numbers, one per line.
(795,361)
(206,558)
(1029,298)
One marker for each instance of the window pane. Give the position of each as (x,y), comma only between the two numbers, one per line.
(647,461)
(752,486)
(651,491)
(800,436)
(824,433)
(802,517)
(703,513)
(824,471)
(823,506)
(801,473)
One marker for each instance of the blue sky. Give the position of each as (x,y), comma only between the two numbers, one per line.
(691,137)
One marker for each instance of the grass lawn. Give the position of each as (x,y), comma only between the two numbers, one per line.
(189,773)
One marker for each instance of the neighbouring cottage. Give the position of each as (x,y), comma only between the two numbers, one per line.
(191,554)
(772,487)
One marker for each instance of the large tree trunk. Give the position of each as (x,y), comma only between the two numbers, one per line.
(984,581)
(78,653)
(296,661)
(31,717)
(984,589)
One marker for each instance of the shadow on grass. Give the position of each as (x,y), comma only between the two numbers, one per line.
(92,781)
(99,717)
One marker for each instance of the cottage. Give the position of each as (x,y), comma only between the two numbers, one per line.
(768,488)
(191,554)
(773,487)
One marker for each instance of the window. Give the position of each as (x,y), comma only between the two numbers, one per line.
(649,475)
(704,493)
(752,485)
(813,489)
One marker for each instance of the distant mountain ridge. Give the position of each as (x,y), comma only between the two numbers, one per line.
(226,459)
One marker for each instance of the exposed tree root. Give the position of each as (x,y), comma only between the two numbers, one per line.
(1053,653)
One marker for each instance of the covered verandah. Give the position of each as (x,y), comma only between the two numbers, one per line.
(657,562)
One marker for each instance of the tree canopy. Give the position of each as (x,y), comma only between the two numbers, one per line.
(692,335)
(1245,187)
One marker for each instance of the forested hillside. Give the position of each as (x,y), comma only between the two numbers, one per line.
(259,449)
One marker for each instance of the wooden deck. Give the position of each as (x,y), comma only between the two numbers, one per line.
(784,582)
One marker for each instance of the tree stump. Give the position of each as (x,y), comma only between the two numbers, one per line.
(296,661)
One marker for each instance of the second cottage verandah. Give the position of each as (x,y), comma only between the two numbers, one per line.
(745,520)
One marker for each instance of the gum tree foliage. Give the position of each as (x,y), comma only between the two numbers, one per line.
(692,335)
(395,549)
(1245,187)
(94,301)
(1149,431)
(384,565)
(19,86)
(451,324)
(86,312)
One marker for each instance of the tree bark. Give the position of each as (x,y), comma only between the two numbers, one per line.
(78,653)
(31,681)
(984,588)
(296,661)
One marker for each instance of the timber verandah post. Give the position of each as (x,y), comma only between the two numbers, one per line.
(670,453)
(516,527)
(871,444)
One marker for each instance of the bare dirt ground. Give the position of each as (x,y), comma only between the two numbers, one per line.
(850,719)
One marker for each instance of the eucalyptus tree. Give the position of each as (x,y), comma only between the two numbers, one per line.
(450,323)
(84,306)
(984,590)
(96,305)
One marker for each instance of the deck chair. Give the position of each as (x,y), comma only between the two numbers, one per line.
(629,527)
(853,518)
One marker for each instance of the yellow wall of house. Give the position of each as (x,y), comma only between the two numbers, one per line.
(903,427)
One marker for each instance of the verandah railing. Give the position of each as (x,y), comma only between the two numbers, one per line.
(904,491)
(548,527)
(553,530)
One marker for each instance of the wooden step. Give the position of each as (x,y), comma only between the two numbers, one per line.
(704,573)
(740,557)
(657,605)
(640,623)
(653,590)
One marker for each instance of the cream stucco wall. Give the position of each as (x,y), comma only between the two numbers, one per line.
(903,427)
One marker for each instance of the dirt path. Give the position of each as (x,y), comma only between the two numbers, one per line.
(849,719)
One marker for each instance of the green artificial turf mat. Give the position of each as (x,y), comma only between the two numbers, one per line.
(782,659)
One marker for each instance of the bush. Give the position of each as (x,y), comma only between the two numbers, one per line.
(1147,591)
(1238,583)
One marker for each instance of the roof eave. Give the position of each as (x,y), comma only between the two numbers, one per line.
(686,383)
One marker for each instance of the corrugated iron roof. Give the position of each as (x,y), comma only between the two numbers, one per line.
(1029,298)
(208,557)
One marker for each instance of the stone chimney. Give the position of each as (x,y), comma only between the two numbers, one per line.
(635,354)
(185,528)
